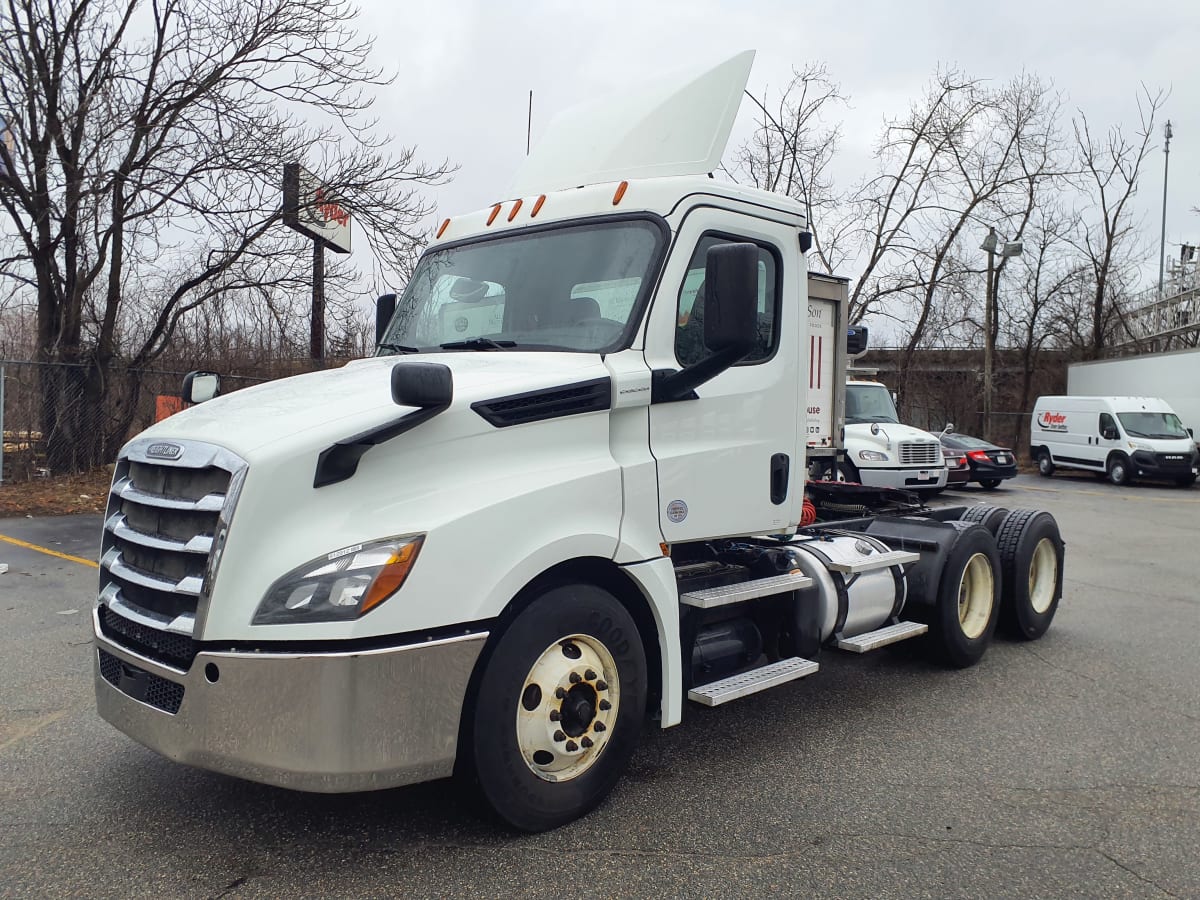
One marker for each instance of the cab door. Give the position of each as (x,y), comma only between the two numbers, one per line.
(730,461)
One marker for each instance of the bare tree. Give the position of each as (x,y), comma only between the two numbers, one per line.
(1109,167)
(144,177)
(790,153)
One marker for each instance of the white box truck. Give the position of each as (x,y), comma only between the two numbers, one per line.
(1124,438)
(562,498)
(1172,377)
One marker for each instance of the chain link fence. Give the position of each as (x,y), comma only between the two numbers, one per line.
(60,418)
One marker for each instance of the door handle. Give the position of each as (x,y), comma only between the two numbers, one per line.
(780,467)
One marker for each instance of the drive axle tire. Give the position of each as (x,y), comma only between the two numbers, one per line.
(1045,463)
(1031,566)
(1119,471)
(559,707)
(968,599)
(989,517)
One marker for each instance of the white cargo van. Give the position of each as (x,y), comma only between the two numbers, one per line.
(1122,437)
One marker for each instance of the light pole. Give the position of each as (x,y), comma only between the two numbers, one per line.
(1162,241)
(991,244)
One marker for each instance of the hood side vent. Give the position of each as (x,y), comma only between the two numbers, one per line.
(548,403)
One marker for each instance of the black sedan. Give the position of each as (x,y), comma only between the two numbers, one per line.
(989,464)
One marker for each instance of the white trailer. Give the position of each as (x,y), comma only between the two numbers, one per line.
(563,497)
(1173,377)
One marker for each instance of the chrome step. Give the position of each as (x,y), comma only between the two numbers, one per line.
(874,561)
(881,637)
(752,682)
(745,590)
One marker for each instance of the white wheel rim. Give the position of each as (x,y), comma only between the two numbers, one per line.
(567,708)
(1043,575)
(975,596)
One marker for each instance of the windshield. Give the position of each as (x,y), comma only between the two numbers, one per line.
(869,403)
(1152,425)
(577,288)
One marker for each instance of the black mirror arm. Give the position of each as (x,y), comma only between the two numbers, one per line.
(669,385)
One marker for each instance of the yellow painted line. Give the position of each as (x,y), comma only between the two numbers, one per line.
(1157,498)
(49,552)
(33,728)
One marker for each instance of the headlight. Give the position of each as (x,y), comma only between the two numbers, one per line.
(872,456)
(1136,445)
(342,585)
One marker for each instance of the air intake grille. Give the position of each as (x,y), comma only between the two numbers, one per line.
(920,453)
(158,533)
(162,646)
(518,409)
(140,684)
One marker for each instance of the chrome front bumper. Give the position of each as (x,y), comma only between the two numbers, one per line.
(327,722)
(905,479)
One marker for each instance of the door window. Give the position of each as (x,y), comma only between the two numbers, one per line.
(689,331)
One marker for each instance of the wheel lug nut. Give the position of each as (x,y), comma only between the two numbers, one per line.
(555,715)
(604,704)
(602,685)
(589,675)
(559,693)
(599,726)
(575,679)
(585,742)
(572,746)
(559,736)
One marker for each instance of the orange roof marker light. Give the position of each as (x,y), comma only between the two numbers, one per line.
(516,209)
(537,206)
(495,212)
(442,230)
(620,192)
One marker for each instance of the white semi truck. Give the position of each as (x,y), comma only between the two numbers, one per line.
(562,499)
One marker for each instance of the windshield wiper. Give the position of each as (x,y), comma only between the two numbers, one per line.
(478,343)
(399,348)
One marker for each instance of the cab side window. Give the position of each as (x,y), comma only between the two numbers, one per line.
(689,331)
(1108,427)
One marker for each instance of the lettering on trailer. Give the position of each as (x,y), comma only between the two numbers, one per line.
(1052,421)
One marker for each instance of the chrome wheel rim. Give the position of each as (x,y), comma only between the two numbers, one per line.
(567,708)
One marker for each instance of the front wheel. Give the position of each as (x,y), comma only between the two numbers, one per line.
(848,472)
(559,707)
(1119,472)
(989,484)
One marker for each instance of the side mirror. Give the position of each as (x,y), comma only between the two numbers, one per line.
(856,341)
(385,306)
(949,428)
(422,384)
(731,299)
(199,387)
(1189,431)
(1110,434)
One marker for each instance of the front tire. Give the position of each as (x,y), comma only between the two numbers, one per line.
(1119,472)
(1031,563)
(989,484)
(1045,463)
(968,600)
(848,472)
(559,707)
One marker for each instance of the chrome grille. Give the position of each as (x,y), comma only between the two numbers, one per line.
(920,453)
(163,519)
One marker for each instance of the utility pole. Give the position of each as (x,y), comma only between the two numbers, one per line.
(316,335)
(989,244)
(1162,241)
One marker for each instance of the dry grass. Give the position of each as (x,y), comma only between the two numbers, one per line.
(61,495)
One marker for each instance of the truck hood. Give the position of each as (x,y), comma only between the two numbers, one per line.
(328,406)
(860,435)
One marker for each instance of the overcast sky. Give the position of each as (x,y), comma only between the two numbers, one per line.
(466,68)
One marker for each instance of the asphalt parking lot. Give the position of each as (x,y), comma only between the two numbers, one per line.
(1069,767)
